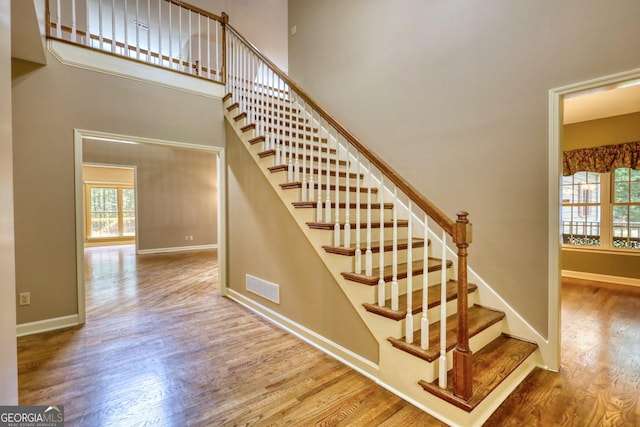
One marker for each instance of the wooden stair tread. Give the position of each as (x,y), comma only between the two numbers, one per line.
(227,96)
(322,148)
(491,365)
(480,318)
(332,172)
(416,298)
(433,264)
(272,152)
(375,246)
(363,225)
(342,205)
(332,187)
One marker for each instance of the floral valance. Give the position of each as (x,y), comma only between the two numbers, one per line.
(601,159)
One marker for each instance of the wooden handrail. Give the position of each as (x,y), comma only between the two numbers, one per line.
(421,201)
(198,10)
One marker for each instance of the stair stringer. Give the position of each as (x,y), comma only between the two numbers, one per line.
(397,371)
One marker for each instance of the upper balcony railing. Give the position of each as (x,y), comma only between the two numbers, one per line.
(165,33)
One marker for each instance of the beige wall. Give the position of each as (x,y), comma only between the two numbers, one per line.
(594,133)
(8,357)
(265,241)
(115,175)
(48,103)
(263,22)
(176,191)
(454,95)
(607,131)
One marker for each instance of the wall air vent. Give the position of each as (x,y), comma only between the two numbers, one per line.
(265,289)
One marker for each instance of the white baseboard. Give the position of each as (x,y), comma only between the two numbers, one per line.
(47,325)
(344,355)
(618,280)
(176,249)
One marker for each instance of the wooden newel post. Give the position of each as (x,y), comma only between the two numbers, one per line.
(462,355)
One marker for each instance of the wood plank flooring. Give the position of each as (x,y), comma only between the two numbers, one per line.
(161,347)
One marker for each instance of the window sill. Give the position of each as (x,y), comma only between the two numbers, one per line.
(591,249)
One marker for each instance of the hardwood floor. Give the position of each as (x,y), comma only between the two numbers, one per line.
(161,347)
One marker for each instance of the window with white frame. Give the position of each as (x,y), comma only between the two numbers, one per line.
(111,211)
(602,210)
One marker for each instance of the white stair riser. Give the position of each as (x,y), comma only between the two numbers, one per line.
(475,343)
(433,314)
(433,279)
(309,214)
(325,237)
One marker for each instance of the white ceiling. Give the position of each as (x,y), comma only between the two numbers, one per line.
(602,102)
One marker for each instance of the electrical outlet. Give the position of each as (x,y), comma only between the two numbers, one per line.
(186,237)
(25,298)
(190,237)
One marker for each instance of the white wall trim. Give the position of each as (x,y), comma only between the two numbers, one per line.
(176,249)
(47,325)
(93,60)
(346,356)
(78,136)
(556,99)
(332,349)
(618,280)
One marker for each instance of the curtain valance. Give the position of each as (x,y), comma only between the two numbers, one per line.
(601,159)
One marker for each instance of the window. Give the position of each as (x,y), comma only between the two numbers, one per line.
(111,211)
(602,210)
(626,208)
(581,209)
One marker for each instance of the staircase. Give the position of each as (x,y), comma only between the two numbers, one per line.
(387,247)
(377,246)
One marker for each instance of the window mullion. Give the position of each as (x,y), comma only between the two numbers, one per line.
(606,211)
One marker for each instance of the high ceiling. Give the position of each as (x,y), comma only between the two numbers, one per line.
(603,102)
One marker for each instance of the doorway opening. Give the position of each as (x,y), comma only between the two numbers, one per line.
(176,202)
(559,98)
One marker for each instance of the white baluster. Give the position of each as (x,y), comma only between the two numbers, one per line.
(305,185)
(424,322)
(327,202)
(113,25)
(381,285)
(368,255)
(160,28)
(358,253)
(347,201)
(394,262)
(138,28)
(312,156)
(199,45)
(189,58)
(442,380)
(87,36)
(336,227)
(409,318)
(125,24)
(230,54)
(73,20)
(296,168)
(218,75)
(100,37)
(319,201)
(149,31)
(59,20)
(290,174)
